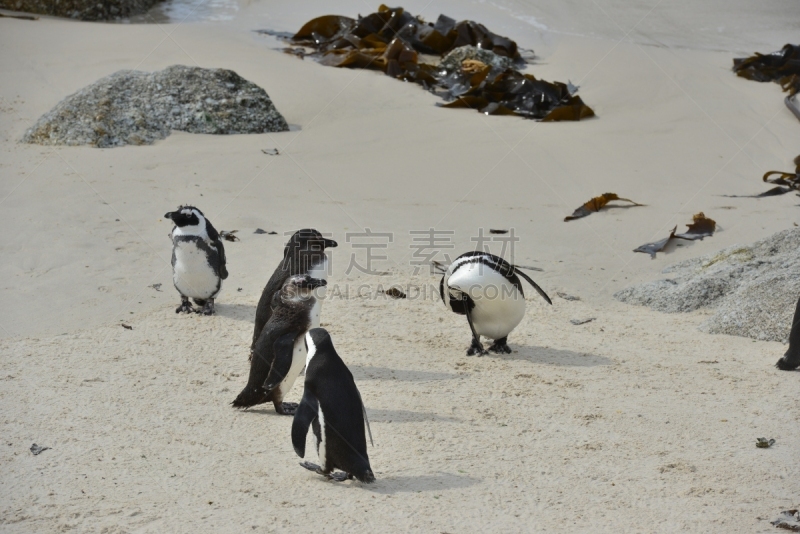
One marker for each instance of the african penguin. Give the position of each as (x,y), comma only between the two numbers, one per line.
(198,259)
(303,254)
(791,360)
(280,351)
(486,289)
(332,406)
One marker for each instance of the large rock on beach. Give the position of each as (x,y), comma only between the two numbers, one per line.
(81,9)
(137,108)
(752,289)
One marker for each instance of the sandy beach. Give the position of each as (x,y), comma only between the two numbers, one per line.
(634,422)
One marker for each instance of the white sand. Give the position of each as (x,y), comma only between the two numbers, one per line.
(610,426)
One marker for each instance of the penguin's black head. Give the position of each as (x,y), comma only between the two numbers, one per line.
(308,240)
(185,216)
(318,339)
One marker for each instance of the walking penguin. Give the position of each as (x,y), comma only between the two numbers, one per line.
(198,259)
(280,351)
(486,289)
(332,406)
(303,254)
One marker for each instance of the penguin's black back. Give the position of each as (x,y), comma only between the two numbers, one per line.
(298,258)
(330,381)
(286,318)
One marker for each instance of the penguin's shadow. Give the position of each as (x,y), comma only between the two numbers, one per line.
(406,416)
(368,372)
(547,356)
(239,312)
(420,483)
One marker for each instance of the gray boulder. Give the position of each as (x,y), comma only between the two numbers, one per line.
(81,9)
(752,289)
(137,108)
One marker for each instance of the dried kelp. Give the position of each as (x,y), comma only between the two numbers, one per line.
(701,227)
(481,75)
(596,204)
(782,67)
(785,182)
(778,67)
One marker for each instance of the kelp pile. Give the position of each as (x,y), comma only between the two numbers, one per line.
(782,67)
(477,73)
(784,182)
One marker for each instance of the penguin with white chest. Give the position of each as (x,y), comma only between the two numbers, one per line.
(303,254)
(332,406)
(279,354)
(486,289)
(198,259)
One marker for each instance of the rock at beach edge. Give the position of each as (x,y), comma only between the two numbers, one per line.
(81,9)
(138,108)
(752,289)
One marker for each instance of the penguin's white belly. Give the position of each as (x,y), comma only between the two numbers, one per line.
(499,306)
(298,362)
(322,443)
(192,275)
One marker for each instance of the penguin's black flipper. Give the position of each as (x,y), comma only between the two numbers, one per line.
(305,414)
(213,235)
(535,286)
(366,419)
(283,349)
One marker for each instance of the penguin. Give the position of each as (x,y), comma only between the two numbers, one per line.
(303,254)
(486,289)
(791,360)
(198,259)
(332,405)
(280,350)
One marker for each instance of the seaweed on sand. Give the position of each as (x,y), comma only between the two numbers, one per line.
(782,67)
(596,204)
(392,39)
(701,227)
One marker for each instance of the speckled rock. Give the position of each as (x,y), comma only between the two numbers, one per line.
(752,289)
(456,56)
(137,108)
(81,9)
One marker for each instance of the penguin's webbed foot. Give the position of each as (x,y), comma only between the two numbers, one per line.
(185,307)
(476,348)
(500,346)
(286,408)
(313,467)
(787,363)
(208,308)
(339,476)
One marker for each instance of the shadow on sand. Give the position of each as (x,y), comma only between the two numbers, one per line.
(406,416)
(239,312)
(407,484)
(548,356)
(366,372)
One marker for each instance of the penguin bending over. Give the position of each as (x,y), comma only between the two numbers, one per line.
(332,406)
(486,289)
(303,254)
(280,351)
(198,259)
(791,360)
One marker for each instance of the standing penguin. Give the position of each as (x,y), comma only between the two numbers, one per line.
(280,351)
(486,289)
(303,254)
(332,406)
(198,259)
